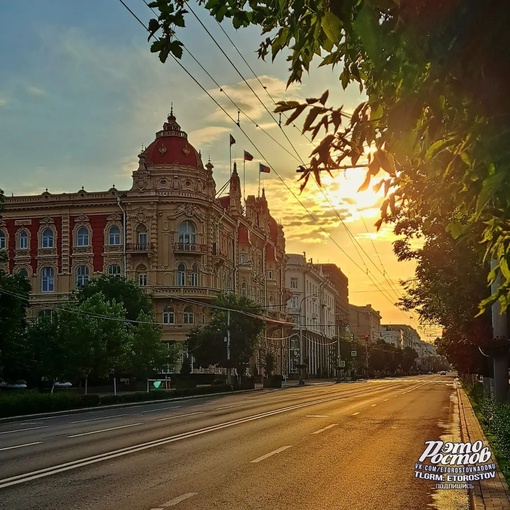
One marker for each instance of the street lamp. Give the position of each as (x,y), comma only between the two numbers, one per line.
(227,339)
(301,364)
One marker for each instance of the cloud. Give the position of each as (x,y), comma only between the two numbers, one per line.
(207,135)
(3,101)
(35,91)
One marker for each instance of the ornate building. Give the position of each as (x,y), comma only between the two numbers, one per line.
(169,233)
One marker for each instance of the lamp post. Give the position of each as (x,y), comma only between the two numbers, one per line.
(301,364)
(227,339)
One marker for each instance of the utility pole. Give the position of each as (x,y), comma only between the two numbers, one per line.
(229,369)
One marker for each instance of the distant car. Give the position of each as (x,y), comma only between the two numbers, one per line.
(63,384)
(442,372)
(16,385)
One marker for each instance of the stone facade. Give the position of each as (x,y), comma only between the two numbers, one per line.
(169,233)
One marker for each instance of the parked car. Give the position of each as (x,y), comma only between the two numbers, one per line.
(442,372)
(63,384)
(16,385)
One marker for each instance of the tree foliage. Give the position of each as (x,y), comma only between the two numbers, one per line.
(207,343)
(436,114)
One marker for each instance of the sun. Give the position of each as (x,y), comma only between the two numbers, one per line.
(342,192)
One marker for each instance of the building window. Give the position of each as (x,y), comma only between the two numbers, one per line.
(82,276)
(244,289)
(142,279)
(189,316)
(114,270)
(45,313)
(48,240)
(142,236)
(3,240)
(294,302)
(187,232)
(242,258)
(293,283)
(114,236)
(23,240)
(270,275)
(47,279)
(82,236)
(194,276)
(181,275)
(168,315)
(23,272)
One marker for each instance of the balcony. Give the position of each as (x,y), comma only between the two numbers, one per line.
(192,248)
(139,247)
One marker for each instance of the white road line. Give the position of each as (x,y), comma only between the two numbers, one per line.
(270,454)
(105,430)
(317,416)
(373,405)
(385,400)
(228,407)
(97,419)
(19,446)
(178,499)
(179,416)
(325,428)
(355,414)
(23,430)
(161,409)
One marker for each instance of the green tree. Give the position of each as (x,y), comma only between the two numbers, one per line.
(436,114)
(122,290)
(207,343)
(14,349)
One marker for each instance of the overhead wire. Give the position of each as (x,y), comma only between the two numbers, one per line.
(276,173)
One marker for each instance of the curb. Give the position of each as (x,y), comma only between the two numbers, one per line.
(487,494)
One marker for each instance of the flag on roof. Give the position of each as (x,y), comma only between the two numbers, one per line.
(232,140)
(247,156)
(264,169)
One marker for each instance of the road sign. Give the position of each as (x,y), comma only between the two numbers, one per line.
(341,364)
(354,353)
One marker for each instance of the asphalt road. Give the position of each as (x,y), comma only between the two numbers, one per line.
(345,446)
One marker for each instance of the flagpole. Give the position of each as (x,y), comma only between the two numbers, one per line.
(259,183)
(230,156)
(244,180)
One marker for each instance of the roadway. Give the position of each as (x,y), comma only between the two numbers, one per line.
(337,446)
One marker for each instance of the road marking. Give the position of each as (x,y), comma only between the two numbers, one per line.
(19,446)
(373,405)
(355,414)
(270,454)
(228,407)
(97,419)
(317,416)
(114,454)
(178,499)
(179,416)
(105,430)
(161,409)
(23,430)
(325,428)
(385,400)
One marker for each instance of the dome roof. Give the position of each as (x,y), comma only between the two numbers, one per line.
(171,147)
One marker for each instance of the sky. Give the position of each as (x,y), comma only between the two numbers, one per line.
(81,94)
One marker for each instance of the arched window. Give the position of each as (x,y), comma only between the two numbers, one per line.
(48,240)
(168,315)
(114,236)
(188,316)
(141,274)
(82,236)
(187,232)
(3,240)
(271,302)
(23,240)
(23,272)
(82,276)
(244,289)
(181,275)
(194,276)
(142,236)
(47,279)
(114,270)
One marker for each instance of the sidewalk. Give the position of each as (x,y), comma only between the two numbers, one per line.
(488,494)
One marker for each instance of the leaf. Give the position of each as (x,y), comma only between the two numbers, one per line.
(312,115)
(365,184)
(295,114)
(324,97)
(332,27)
(366,27)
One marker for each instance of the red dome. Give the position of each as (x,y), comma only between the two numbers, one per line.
(171,147)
